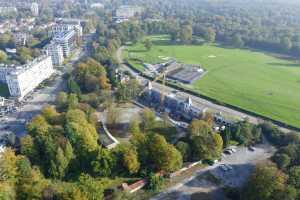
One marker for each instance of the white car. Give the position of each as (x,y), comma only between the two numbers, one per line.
(233,150)
(229,167)
(225,167)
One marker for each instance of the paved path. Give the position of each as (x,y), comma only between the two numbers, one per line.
(196,100)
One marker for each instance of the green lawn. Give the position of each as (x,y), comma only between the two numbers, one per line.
(251,80)
(4,90)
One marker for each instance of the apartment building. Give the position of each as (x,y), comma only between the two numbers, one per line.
(23,79)
(67,40)
(56,52)
(63,25)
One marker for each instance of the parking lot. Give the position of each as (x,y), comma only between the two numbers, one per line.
(238,165)
(31,105)
(242,163)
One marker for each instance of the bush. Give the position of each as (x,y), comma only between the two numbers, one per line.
(208,161)
(155,183)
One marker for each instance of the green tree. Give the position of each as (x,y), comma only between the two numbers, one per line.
(237,41)
(29,149)
(90,188)
(218,145)
(148,44)
(140,142)
(264,183)
(51,115)
(186,34)
(72,101)
(59,165)
(61,100)
(226,135)
(130,160)
(184,149)
(210,35)
(289,193)
(3,56)
(103,163)
(155,182)
(127,91)
(134,126)
(202,148)
(82,135)
(282,160)
(294,177)
(8,167)
(147,119)
(7,191)
(25,54)
(73,86)
(38,126)
(286,43)
(199,128)
(164,156)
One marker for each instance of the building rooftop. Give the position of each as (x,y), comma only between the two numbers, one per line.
(64,35)
(20,69)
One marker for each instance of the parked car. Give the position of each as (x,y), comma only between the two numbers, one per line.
(229,167)
(251,148)
(225,167)
(233,150)
(228,152)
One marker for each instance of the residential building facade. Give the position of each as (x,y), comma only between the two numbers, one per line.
(24,79)
(34,9)
(20,38)
(4,70)
(67,41)
(56,52)
(66,25)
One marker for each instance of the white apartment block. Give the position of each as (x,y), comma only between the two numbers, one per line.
(25,78)
(67,41)
(8,9)
(97,5)
(34,9)
(20,39)
(4,70)
(126,12)
(66,25)
(56,52)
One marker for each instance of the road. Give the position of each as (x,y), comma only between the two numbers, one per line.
(16,122)
(197,101)
(242,163)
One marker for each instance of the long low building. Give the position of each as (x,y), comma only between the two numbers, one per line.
(181,108)
(23,79)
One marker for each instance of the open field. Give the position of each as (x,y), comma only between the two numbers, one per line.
(251,80)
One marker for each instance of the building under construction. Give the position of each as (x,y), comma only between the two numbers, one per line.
(175,105)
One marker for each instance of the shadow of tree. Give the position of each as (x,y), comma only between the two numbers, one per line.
(285,64)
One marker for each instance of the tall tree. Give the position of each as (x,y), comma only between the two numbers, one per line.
(265,183)
(148,44)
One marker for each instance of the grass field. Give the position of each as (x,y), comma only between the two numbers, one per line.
(254,81)
(4,90)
